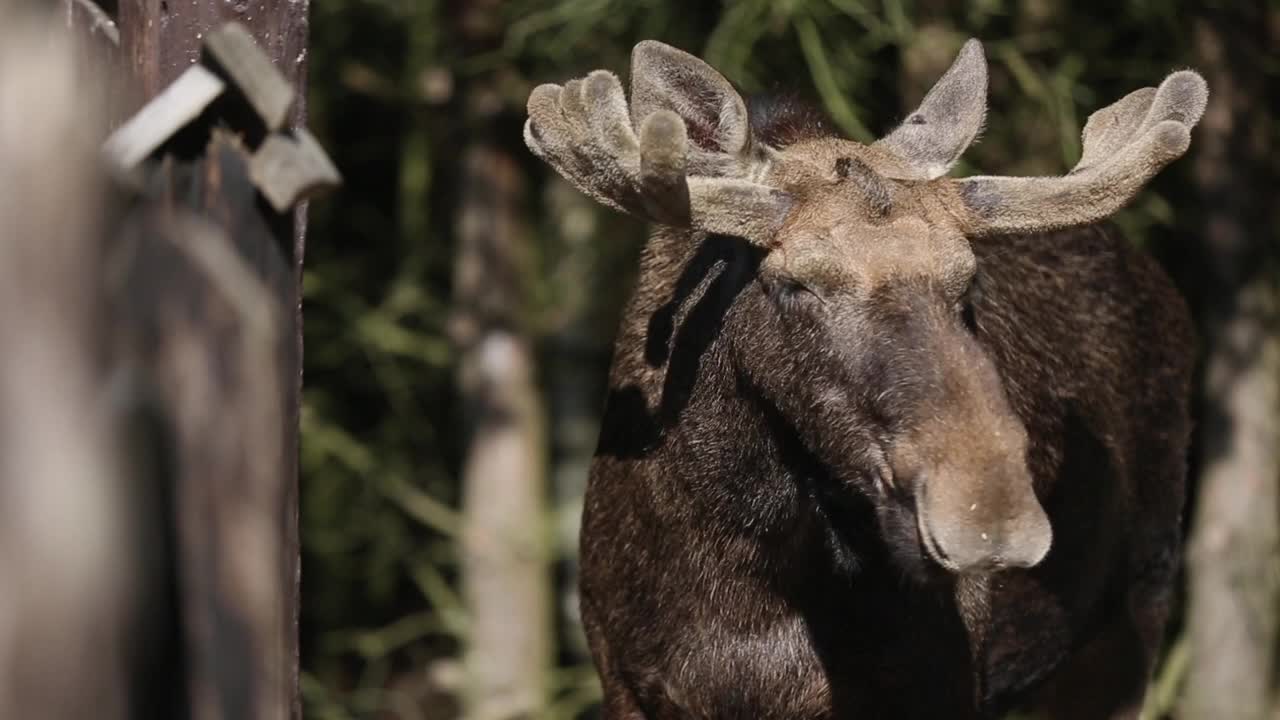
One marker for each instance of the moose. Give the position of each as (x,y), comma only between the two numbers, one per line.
(878,442)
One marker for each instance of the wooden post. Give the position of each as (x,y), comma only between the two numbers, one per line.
(159,40)
(200,333)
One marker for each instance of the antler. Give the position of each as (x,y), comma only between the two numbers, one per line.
(1125,145)
(585,131)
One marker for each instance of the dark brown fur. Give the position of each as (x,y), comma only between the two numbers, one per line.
(733,567)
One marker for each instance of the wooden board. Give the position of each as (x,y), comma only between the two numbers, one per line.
(175,108)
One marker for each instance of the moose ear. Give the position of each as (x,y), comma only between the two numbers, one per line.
(933,137)
(664,78)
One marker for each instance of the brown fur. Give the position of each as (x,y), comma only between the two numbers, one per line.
(728,573)
(863,454)
(736,563)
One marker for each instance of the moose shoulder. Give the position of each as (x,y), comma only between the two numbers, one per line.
(879,442)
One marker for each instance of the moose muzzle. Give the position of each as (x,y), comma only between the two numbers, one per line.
(982,524)
(966,460)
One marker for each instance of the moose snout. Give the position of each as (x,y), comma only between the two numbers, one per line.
(1014,533)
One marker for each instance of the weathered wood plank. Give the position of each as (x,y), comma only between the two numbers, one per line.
(159,39)
(233,52)
(162,38)
(288,170)
(202,282)
(199,328)
(170,111)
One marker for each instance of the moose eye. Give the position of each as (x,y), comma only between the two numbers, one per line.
(789,292)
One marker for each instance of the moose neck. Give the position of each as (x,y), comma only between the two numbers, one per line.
(671,343)
(678,404)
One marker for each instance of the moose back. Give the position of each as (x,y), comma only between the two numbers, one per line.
(879,442)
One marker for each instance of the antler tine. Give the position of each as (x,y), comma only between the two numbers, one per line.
(584,130)
(1180,98)
(561,131)
(723,205)
(664,147)
(1111,128)
(1125,145)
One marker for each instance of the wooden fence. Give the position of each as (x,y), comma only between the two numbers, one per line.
(153,162)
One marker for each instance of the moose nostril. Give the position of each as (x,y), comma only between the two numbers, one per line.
(935,549)
(964,530)
(1030,541)
(962,547)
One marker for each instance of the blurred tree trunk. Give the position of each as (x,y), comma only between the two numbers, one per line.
(505,579)
(1235,540)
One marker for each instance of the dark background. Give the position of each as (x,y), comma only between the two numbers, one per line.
(407,95)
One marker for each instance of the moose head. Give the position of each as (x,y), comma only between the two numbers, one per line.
(856,327)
